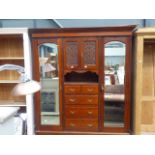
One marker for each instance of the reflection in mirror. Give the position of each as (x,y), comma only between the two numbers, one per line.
(114,72)
(48,60)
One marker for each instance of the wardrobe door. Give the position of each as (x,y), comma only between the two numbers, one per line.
(47,64)
(115,85)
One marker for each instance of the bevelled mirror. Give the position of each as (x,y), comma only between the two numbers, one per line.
(114,77)
(48,61)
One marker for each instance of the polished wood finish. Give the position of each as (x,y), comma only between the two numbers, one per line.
(72,89)
(81,50)
(89,89)
(80,53)
(81,124)
(82,112)
(80,99)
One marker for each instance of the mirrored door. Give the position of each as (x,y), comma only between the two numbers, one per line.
(114,81)
(49,78)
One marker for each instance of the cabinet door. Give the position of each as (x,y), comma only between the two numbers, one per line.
(47,70)
(89,53)
(71,54)
(116,84)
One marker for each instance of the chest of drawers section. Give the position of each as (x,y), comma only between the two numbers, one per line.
(81,107)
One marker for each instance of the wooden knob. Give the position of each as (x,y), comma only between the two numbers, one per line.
(72,124)
(72,112)
(90,125)
(90,89)
(72,90)
(90,100)
(72,100)
(90,112)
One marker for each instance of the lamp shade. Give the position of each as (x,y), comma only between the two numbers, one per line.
(26,88)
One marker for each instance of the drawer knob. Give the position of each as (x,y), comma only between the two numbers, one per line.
(90,112)
(72,90)
(72,124)
(72,112)
(85,66)
(72,100)
(90,100)
(72,66)
(90,89)
(90,125)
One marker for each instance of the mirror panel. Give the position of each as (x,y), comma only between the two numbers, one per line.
(48,60)
(114,73)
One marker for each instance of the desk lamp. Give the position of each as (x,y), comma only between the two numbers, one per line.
(26,86)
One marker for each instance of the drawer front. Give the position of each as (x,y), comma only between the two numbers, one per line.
(88,89)
(81,99)
(89,99)
(72,89)
(81,112)
(72,99)
(81,125)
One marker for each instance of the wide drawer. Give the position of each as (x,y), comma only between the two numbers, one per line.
(81,99)
(89,89)
(72,89)
(81,112)
(81,124)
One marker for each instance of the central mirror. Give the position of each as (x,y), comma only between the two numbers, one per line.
(114,73)
(48,60)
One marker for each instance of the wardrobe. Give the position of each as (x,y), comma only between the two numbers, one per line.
(85,74)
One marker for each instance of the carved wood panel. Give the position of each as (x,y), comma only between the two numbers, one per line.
(89,53)
(72,53)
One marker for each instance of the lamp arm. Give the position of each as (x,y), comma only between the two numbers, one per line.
(18,68)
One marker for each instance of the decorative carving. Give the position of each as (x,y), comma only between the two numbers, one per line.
(72,53)
(89,52)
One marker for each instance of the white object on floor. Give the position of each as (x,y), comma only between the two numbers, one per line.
(7,112)
(7,125)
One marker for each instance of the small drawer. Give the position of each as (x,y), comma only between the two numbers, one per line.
(81,112)
(81,125)
(89,99)
(81,99)
(69,89)
(72,99)
(89,89)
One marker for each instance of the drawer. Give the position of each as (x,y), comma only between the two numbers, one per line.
(81,112)
(89,99)
(69,89)
(81,99)
(89,89)
(81,125)
(72,99)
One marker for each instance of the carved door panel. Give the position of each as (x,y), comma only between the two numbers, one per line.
(89,53)
(71,54)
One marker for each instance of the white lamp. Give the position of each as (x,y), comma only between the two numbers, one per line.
(26,86)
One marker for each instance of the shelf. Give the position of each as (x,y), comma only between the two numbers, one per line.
(9,81)
(11,58)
